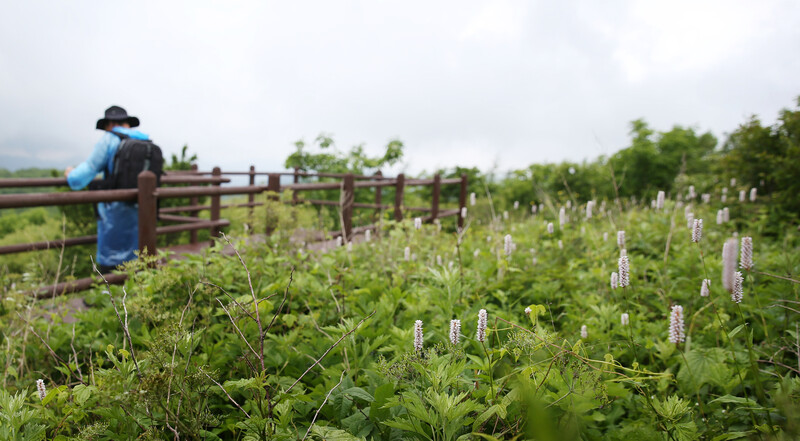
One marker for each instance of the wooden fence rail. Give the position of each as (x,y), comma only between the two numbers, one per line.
(209,184)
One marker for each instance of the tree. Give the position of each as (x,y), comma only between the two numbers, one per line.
(184,162)
(768,158)
(335,161)
(654,160)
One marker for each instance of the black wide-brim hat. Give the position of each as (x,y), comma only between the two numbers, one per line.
(117,114)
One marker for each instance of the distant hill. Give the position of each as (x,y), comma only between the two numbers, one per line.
(29,173)
(32,172)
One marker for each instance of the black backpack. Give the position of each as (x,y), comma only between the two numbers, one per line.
(133,157)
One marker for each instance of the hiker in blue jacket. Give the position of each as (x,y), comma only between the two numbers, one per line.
(117,222)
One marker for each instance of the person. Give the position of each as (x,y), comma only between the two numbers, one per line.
(117,222)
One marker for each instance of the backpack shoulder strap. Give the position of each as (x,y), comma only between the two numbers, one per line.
(121,136)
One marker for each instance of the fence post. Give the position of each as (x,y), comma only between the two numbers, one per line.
(273,186)
(378,195)
(215,203)
(251,198)
(193,201)
(437,188)
(295,179)
(347,200)
(398,197)
(462,200)
(147,213)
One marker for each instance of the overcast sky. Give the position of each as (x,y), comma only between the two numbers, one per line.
(471,83)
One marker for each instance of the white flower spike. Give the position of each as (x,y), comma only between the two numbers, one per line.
(705,288)
(697,230)
(624,272)
(746,259)
(676,334)
(41,389)
(728,263)
(418,335)
(455,331)
(480,334)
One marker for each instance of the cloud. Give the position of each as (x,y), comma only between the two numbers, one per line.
(468,83)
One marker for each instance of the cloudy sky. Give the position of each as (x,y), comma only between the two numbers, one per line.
(472,83)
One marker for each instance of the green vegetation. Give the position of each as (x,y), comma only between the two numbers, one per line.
(347,319)
(283,341)
(27,173)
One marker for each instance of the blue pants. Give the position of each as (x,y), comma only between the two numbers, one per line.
(117,232)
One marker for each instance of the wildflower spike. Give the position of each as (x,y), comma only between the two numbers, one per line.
(480,334)
(455,331)
(418,335)
(676,334)
(728,263)
(508,245)
(738,289)
(697,230)
(746,258)
(41,389)
(624,272)
(705,288)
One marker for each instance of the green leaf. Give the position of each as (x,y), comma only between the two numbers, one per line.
(82,393)
(735,331)
(685,431)
(382,394)
(488,413)
(734,400)
(52,394)
(485,436)
(289,319)
(704,366)
(732,435)
(357,392)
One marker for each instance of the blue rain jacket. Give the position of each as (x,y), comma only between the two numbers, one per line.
(118,225)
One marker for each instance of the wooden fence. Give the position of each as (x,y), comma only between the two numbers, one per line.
(185,218)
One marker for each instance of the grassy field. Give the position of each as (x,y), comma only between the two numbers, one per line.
(502,331)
